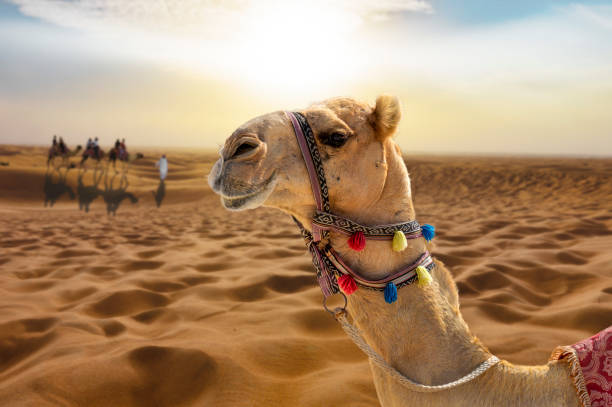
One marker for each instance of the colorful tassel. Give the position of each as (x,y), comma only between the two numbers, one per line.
(347,284)
(399,241)
(357,241)
(423,276)
(428,232)
(390,293)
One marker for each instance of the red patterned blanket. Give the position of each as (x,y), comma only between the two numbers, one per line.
(591,368)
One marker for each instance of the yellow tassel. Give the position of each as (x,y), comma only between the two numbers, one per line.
(399,241)
(424,276)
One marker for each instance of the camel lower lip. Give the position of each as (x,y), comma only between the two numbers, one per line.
(233,203)
(240,201)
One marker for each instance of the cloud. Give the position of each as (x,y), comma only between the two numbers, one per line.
(204,17)
(598,15)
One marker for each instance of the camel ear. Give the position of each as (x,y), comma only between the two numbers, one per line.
(386,116)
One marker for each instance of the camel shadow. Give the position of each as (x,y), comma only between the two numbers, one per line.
(54,190)
(160,193)
(114,196)
(88,194)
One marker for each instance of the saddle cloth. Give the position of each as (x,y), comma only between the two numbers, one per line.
(590,363)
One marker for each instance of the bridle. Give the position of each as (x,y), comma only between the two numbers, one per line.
(333,274)
(330,267)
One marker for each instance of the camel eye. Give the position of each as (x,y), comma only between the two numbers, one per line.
(333,139)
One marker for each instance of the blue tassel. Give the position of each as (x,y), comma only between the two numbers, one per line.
(390,293)
(428,231)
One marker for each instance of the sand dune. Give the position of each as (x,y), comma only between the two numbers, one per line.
(107,299)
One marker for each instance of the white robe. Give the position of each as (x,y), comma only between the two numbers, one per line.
(162,164)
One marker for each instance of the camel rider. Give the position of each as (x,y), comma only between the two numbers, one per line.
(89,145)
(96,147)
(53,149)
(122,150)
(118,149)
(62,146)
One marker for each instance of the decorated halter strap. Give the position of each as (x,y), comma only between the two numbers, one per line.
(312,158)
(328,221)
(405,276)
(325,269)
(332,273)
(314,166)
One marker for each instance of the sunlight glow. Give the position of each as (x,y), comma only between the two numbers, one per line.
(296,46)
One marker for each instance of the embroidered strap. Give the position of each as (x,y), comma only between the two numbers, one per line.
(327,221)
(312,158)
(316,174)
(326,271)
(403,277)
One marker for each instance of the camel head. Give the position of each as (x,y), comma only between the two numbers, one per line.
(261,162)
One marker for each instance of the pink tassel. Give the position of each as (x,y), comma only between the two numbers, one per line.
(347,284)
(357,241)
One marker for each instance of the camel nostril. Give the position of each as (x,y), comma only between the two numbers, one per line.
(243,149)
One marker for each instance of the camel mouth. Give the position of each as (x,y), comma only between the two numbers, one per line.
(254,197)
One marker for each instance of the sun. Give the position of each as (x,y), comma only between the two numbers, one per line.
(294,47)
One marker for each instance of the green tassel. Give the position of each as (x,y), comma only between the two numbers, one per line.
(399,241)
(424,276)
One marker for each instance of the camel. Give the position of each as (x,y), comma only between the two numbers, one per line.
(55,153)
(127,159)
(422,334)
(91,153)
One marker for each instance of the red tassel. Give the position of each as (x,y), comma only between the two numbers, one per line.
(347,284)
(357,241)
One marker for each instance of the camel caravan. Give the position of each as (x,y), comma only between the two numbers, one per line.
(59,154)
(335,168)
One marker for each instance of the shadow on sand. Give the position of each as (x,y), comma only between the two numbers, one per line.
(88,194)
(114,196)
(54,189)
(160,193)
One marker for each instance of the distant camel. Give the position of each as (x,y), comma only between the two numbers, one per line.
(91,153)
(422,352)
(127,159)
(62,156)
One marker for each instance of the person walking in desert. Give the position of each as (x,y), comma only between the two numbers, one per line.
(162,164)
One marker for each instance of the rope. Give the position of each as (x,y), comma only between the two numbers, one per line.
(355,335)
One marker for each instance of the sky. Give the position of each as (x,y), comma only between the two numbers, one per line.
(475,76)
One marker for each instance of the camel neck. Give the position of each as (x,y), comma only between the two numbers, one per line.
(422,334)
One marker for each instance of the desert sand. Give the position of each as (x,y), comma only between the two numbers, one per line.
(107,299)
